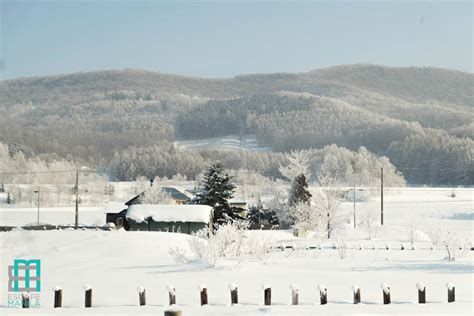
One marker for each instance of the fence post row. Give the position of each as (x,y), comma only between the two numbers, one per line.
(58,295)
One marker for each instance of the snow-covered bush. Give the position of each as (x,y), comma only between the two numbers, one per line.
(231,240)
(436,230)
(305,217)
(369,220)
(412,229)
(454,245)
(341,246)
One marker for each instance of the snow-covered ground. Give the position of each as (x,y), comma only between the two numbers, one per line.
(115,263)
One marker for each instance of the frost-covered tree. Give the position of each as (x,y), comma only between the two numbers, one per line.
(299,193)
(305,217)
(216,190)
(412,228)
(155,195)
(327,201)
(369,219)
(298,163)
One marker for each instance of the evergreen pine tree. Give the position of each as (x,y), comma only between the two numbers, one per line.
(259,217)
(216,190)
(299,191)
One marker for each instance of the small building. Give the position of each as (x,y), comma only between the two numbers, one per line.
(115,213)
(185,219)
(177,196)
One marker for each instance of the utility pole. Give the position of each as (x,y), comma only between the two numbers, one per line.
(76,219)
(354,199)
(38,214)
(381,196)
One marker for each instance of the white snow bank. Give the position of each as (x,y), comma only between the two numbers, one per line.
(87,287)
(322,288)
(294,288)
(57,288)
(232,287)
(450,286)
(169,213)
(266,286)
(201,287)
(355,288)
(140,289)
(385,288)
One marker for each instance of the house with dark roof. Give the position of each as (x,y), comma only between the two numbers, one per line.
(178,197)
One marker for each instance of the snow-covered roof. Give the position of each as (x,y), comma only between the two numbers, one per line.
(114,207)
(169,213)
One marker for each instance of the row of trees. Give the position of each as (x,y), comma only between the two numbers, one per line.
(217,189)
(360,167)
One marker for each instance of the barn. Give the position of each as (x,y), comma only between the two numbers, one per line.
(174,218)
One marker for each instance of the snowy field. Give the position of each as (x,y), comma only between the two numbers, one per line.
(227,142)
(115,263)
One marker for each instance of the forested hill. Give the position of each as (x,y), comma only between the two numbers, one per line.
(421,118)
(411,84)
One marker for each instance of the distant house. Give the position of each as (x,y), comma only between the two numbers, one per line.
(177,196)
(185,219)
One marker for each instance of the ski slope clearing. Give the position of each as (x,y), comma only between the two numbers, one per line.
(115,263)
(227,142)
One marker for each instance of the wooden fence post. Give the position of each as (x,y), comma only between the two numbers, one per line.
(141,296)
(294,295)
(203,294)
(234,296)
(172,294)
(386,293)
(88,296)
(25,300)
(451,292)
(421,293)
(356,292)
(323,294)
(58,297)
(173,313)
(267,295)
